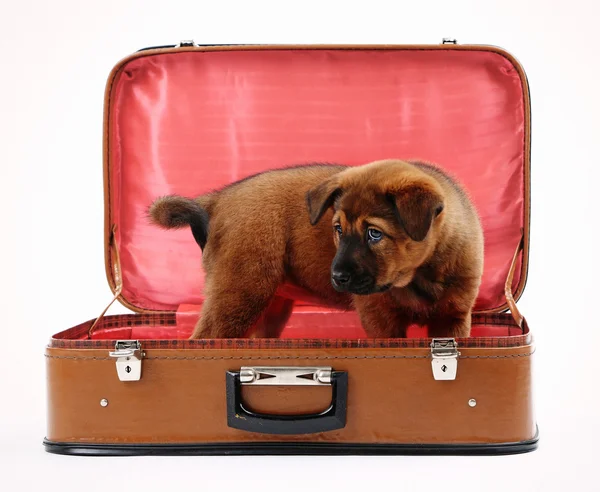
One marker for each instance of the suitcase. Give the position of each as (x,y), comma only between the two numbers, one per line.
(186,119)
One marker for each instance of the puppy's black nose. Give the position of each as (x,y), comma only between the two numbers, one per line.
(340,277)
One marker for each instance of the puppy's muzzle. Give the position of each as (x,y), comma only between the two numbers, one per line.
(346,281)
(340,278)
(352,282)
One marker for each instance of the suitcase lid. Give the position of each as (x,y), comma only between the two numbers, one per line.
(189,119)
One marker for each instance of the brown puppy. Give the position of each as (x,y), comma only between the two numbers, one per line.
(409,246)
(406,246)
(255,235)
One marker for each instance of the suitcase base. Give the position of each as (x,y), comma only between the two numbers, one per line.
(290,448)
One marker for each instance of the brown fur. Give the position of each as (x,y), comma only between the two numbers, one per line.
(258,235)
(430,260)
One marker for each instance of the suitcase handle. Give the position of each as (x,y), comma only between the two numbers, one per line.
(332,418)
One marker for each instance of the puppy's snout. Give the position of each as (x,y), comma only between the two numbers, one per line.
(340,277)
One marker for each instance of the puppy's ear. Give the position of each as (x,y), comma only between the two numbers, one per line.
(320,198)
(416,208)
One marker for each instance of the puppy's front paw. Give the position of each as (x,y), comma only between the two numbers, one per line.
(449,327)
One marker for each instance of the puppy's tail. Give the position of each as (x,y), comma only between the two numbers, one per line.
(175,212)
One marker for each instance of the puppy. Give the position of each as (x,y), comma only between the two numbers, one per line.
(409,246)
(255,235)
(398,241)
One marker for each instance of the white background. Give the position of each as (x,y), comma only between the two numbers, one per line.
(54,63)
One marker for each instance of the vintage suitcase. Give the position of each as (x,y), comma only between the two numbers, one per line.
(186,119)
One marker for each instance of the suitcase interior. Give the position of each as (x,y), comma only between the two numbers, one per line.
(191,121)
(187,120)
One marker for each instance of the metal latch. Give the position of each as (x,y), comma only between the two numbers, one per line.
(189,42)
(129,359)
(444,358)
(291,376)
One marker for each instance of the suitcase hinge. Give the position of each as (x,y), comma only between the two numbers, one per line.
(129,357)
(444,358)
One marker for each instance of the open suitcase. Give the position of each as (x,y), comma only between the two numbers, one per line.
(186,119)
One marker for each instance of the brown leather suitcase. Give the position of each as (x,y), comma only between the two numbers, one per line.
(186,119)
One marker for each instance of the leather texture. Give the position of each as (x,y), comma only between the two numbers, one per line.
(392,396)
(162,137)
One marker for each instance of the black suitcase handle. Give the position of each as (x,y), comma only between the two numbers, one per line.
(332,418)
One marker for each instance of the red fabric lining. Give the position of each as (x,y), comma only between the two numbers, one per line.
(190,122)
(308,328)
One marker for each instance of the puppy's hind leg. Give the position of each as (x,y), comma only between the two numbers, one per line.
(235,301)
(274,319)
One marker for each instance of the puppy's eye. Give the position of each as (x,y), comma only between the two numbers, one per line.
(338,229)
(374,235)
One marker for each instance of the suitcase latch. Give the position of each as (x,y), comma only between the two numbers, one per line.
(129,359)
(444,358)
(290,376)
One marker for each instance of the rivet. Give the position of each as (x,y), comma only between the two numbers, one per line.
(472,402)
(103,402)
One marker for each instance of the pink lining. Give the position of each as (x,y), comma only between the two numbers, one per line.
(190,122)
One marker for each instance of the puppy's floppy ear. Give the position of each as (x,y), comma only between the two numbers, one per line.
(320,198)
(416,207)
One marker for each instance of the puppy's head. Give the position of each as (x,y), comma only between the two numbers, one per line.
(386,221)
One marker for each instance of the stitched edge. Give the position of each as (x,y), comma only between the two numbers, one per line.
(292,357)
(73,357)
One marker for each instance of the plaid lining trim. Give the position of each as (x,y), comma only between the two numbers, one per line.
(76,337)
